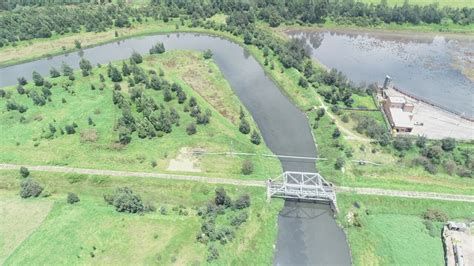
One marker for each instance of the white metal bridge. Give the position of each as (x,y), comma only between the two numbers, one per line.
(302,186)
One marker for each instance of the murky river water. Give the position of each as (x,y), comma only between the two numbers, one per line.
(437,68)
(308,234)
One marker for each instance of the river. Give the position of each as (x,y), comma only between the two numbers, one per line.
(308,233)
(437,68)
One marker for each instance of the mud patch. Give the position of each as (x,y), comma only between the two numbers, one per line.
(186,161)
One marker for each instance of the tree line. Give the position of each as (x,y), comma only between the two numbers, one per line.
(22,21)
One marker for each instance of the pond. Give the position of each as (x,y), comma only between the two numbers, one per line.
(436,68)
(285,129)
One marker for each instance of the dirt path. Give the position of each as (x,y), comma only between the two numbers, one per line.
(235,182)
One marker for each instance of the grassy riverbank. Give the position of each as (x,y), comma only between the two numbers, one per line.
(384,230)
(92,232)
(24,137)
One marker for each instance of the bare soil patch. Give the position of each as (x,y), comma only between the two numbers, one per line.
(186,161)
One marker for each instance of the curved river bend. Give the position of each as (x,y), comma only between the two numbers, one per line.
(308,233)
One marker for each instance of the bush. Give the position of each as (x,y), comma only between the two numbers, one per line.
(336,134)
(24,172)
(247,167)
(136,58)
(30,188)
(402,143)
(431,228)
(72,198)
(448,144)
(244,126)
(70,129)
(207,54)
(124,200)
(222,199)
(239,219)
(213,253)
(340,162)
(242,202)
(255,138)
(191,129)
(435,215)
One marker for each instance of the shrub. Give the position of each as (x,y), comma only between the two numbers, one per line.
(30,188)
(207,54)
(38,79)
(242,202)
(239,219)
(191,129)
(402,143)
(244,126)
(340,162)
(136,58)
(435,215)
(20,89)
(158,48)
(2,93)
(72,198)
(320,113)
(255,138)
(303,82)
(222,199)
(421,141)
(70,129)
(22,81)
(24,172)
(336,134)
(213,253)
(124,200)
(431,228)
(54,73)
(345,118)
(448,144)
(247,167)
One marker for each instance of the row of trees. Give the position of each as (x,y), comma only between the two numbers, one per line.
(25,23)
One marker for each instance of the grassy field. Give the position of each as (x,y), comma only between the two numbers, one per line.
(23,141)
(393,232)
(70,234)
(441,3)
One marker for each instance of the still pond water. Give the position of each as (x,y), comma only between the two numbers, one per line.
(436,68)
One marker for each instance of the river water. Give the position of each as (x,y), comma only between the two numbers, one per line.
(308,233)
(437,68)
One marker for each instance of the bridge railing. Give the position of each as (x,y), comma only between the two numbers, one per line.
(301,185)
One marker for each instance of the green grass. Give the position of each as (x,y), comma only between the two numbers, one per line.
(24,142)
(70,232)
(441,3)
(393,232)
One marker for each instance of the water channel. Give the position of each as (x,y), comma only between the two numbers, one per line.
(438,68)
(308,233)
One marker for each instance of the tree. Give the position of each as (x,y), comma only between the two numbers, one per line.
(24,172)
(167,95)
(70,129)
(67,70)
(38,79)
(244,126)
(54,73)
(303,82)
(421,141)
(158,48)
(191,129)
(340,162)
(115,75)
(222,199)
(125,70)
(136,58)
(22,81)
(125,135)
(247,167)
(207,54)
(77,44)
(85,66)
(181,96)
(255,137)
(448,144)
(72,198)
(30,188)
(124,200)
(336,133)
(20,89)
(242,202)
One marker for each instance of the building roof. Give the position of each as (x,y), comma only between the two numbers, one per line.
(397,99)
(401,119)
